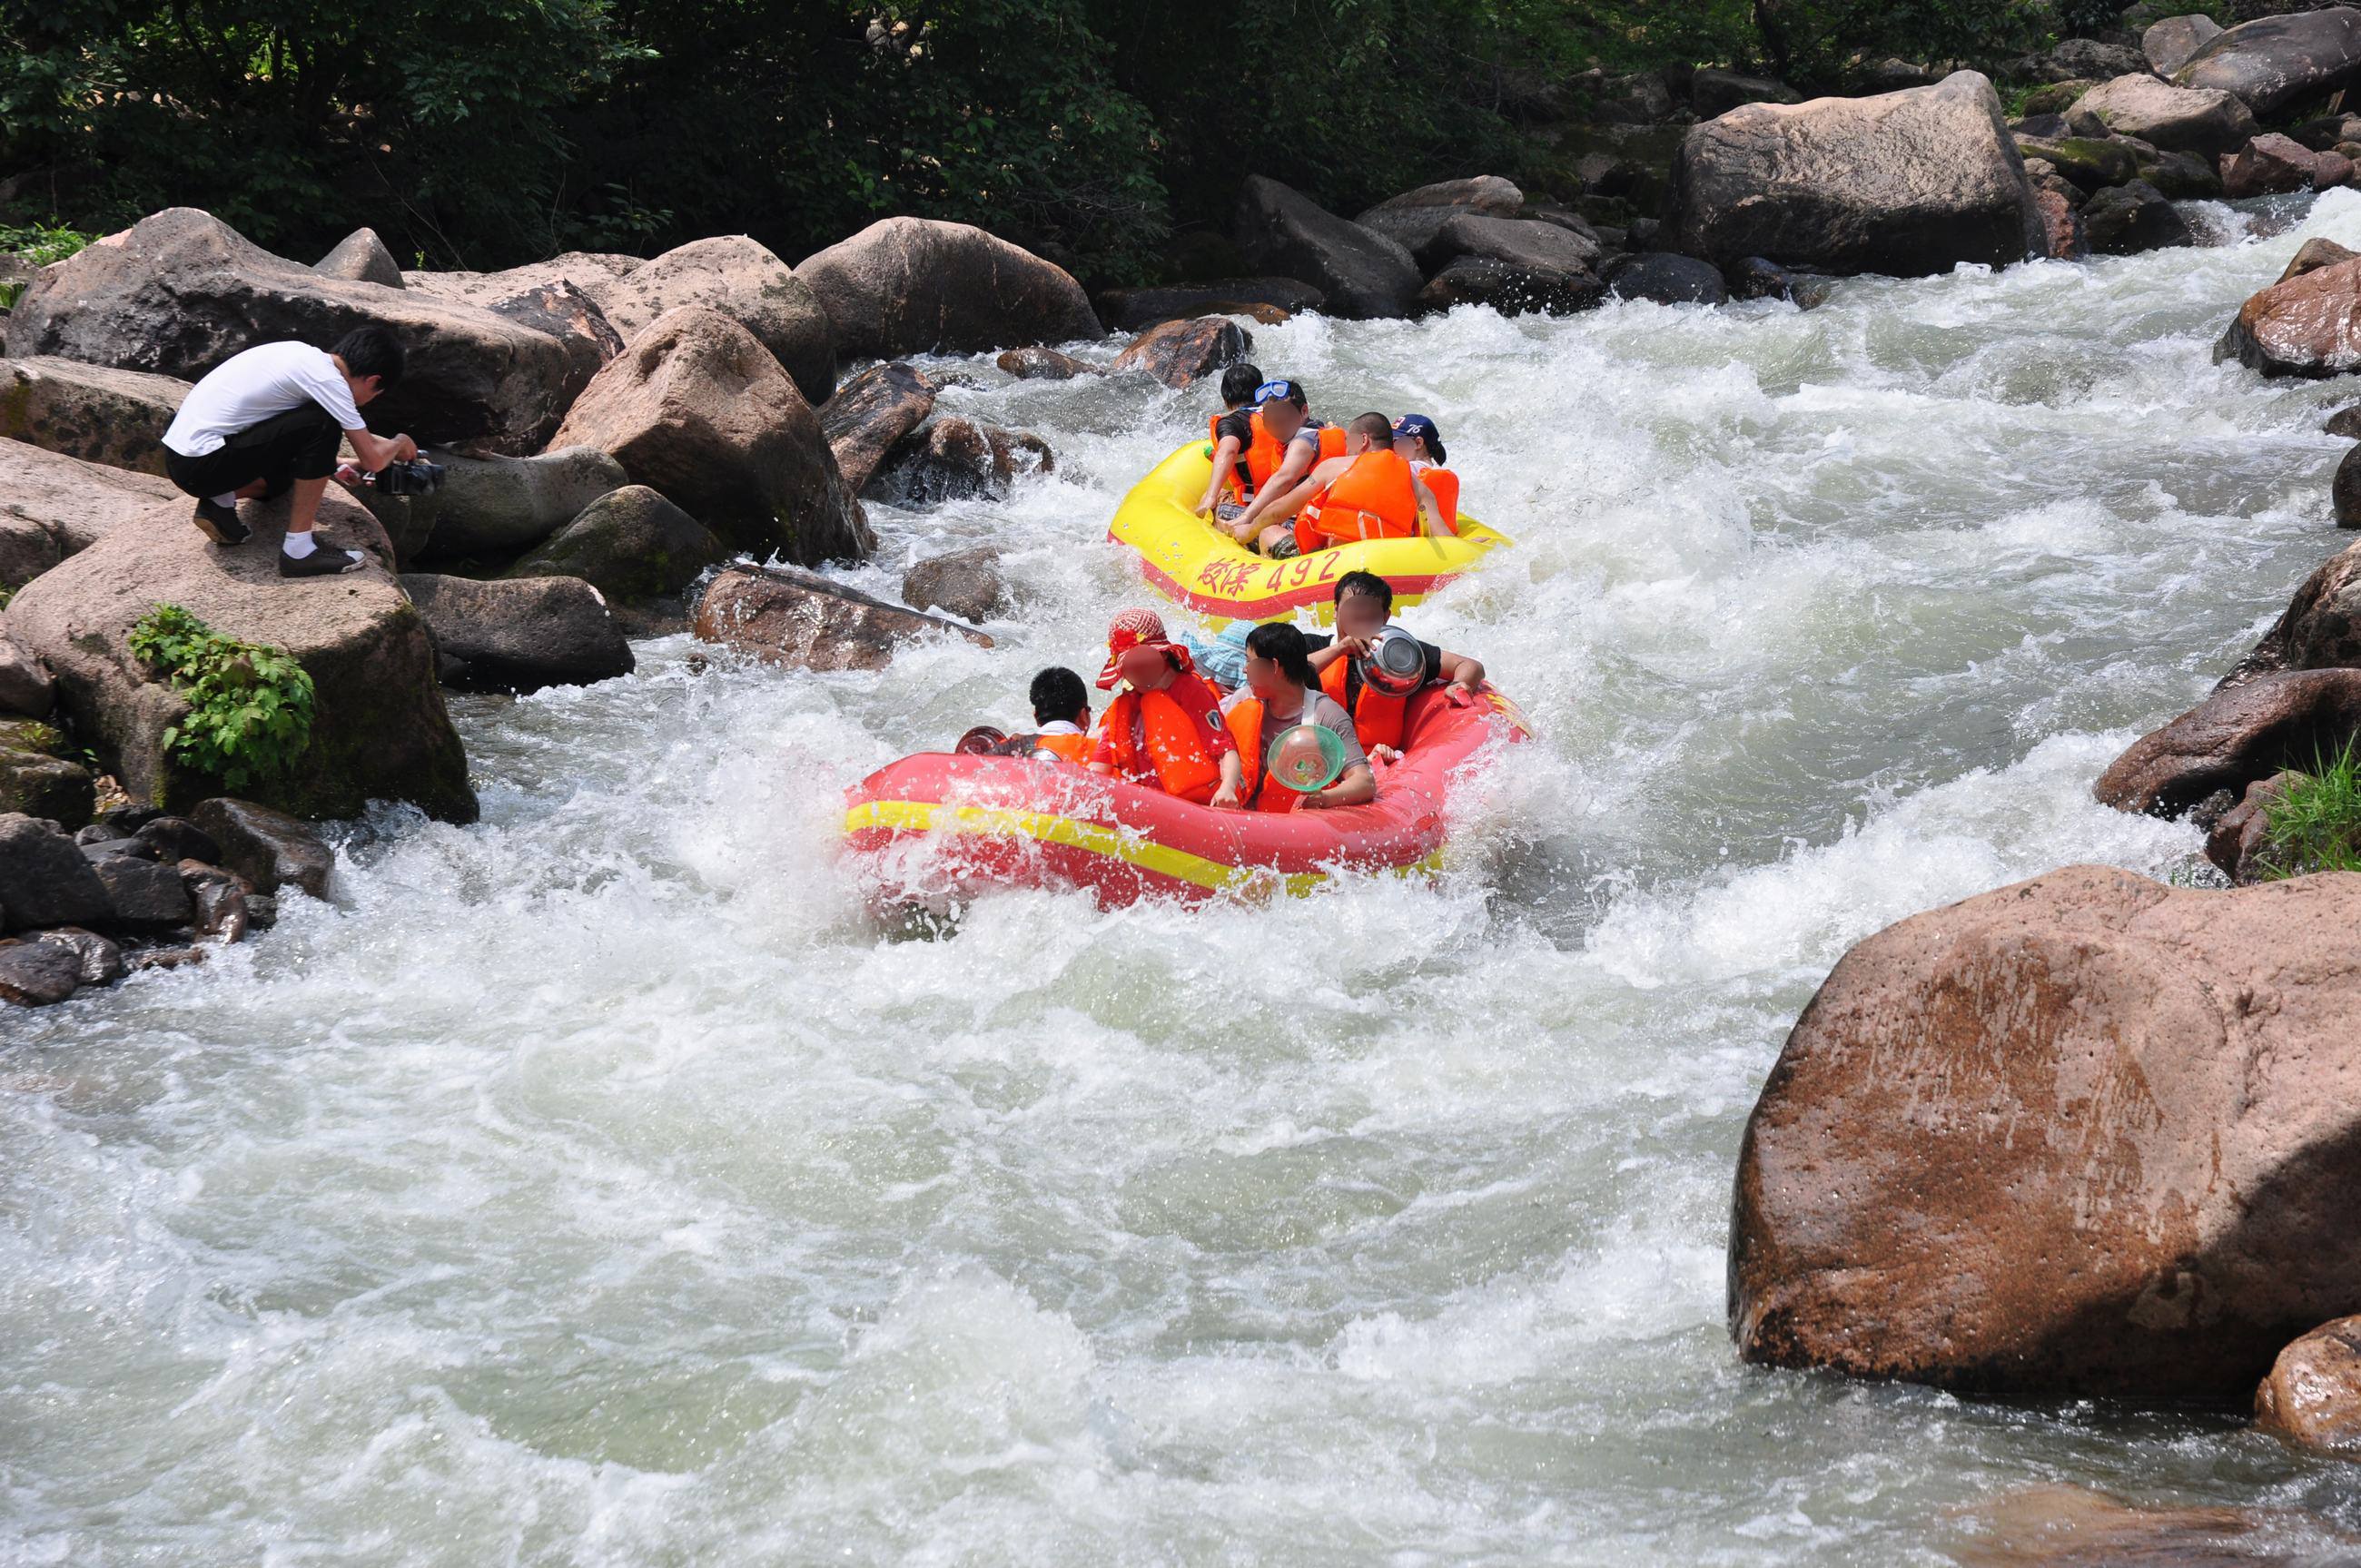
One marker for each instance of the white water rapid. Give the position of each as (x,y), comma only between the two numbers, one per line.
(598,1185)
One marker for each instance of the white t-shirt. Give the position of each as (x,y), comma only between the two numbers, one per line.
(247,388)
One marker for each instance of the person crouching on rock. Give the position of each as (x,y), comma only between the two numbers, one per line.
(1165,730)
(267,421)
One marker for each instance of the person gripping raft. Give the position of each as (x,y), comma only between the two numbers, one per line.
(1416,439)
(1229,487)
(1283,442)
(1369,493)
(1281,695)
(1365,603)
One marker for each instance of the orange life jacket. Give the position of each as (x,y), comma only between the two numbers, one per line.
(1075,748)
(1445,486)
(1263,458)
(1378,719)
(1376,497)
(1177,760)
(1245,728)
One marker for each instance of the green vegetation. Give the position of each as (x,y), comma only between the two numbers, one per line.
(249,704)
(2315,825)
(41,244)
(483,132)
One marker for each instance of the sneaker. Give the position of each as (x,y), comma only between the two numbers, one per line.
(323,562)
(220,524)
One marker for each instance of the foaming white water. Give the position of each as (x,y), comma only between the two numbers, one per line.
(598,1185)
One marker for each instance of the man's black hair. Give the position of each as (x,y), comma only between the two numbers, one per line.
(1238,384)
(1059,693)
(1378,429)
(1283,646)
(371,351)
(1369,584)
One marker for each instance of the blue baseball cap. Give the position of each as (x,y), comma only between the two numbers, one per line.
(1422,427)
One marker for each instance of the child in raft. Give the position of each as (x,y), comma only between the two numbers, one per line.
(1365,606)
(1233,433)
(1061,719)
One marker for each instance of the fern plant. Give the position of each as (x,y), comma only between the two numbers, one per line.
(249,704)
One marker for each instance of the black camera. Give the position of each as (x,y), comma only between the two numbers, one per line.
(415,477)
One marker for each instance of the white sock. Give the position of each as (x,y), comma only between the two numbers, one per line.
(299,550)
(226,499)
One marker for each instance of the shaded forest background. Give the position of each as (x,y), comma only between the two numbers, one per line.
(481,133)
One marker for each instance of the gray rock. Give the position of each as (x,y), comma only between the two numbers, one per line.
(2168,44)
(176,838)
(267,848)
(95,413)
(743,280)
(217,903)
(39,974)
(1510,290)
(870,415)
(1039,364)
(522,634)
(53,506)
(966,584)
(804,621)
(37,776)
(1267,299)
(1668,279)
(918,286)
(180,291)
(1410,219)
(1715,92)
(43,877)
(2124,219)
(2207,122)
(1906,183)
(2276,62)
(631,545)
(1527,244)
(98,960)
(497,506)
(957,459)
(143,894)
(361,256)
(1180,354)
(1362,273)
(25,690)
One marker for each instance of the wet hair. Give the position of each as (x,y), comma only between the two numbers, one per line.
(1059,693)
(1283,646)
(371,351)
(1377,428)
(1238,384)
(1369,585)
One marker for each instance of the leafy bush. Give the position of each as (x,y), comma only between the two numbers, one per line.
(41,244)
(2315,825)
(249,704)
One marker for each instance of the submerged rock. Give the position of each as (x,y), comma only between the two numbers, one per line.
(806,621)
(2312,1397)
(2079,1136)
(957,458)
(2271,723)
(1667,279)
(1510,290)
(267,848)
(966,583)
(2123,220)
(1039,364)
(522,634)
(870,413)
(1182,353)
(1908,182)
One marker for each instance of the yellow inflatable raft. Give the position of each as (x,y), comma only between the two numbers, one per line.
(1189,561)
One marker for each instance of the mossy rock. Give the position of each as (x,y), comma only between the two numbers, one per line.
(631,545)
(37,776)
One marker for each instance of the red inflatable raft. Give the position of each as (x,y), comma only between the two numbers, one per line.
(934,830)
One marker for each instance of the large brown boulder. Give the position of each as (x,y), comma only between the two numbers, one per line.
(1909,183)
(92,412)
(695,408)
(2312,1397)
(52,506)
(2275,165)
(918,286)
(797,618)
(180,291)
(1412,219)
(870,415)
(2309,326)
(1181,354)
(520,635)
(2320,628)
(1524,243)
(2286,720)
(2276,62)
(2087,1134)
(1361,273)
(2206,121)
(732,274)
(2167,44)
(379,729)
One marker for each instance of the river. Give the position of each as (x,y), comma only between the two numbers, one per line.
(599,1185)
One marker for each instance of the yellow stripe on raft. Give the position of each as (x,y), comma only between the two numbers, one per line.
(925,816)
(1192,563)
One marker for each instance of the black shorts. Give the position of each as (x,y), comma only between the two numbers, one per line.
(298,445)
